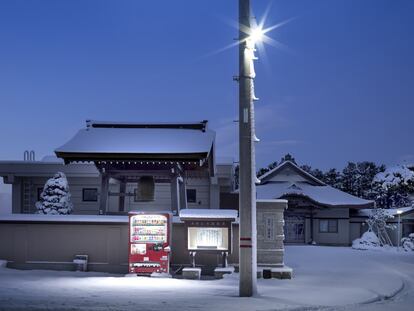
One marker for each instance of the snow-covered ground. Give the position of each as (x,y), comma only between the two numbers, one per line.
(325,278)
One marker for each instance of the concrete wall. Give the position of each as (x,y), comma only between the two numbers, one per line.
(54,245)
(34,245)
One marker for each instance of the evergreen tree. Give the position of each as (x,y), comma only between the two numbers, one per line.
(366,173)
(272,165)
(318,174)
(264,170)
(288,157)
(333,178)
(55,197)
(393,186)
(349,179)
(236,177)
(306,168)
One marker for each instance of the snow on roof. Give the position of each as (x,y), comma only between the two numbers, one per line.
(294,166)
(208,213)
(133,138)
(324,195)
(366,212)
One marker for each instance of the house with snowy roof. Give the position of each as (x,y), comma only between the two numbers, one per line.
(317,213)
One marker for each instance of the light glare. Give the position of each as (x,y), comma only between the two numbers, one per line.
(256,34)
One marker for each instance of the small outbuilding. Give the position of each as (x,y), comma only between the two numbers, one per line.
(317,213)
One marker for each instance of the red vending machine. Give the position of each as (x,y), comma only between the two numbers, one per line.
(149,242)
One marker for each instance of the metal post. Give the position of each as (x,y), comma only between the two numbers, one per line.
(247,175)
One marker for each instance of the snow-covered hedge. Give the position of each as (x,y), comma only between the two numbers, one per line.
(369,240)
(55,197)
(408,243)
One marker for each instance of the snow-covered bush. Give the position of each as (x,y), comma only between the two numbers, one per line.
(377,235)
(408,243)
(377,223)
(369,240)
(393,186)
(55,197)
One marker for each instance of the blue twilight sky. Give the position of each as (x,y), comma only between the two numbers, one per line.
(340,90)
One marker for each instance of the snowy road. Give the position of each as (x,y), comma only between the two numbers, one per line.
(326,278)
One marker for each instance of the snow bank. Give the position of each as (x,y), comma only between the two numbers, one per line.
(369,240)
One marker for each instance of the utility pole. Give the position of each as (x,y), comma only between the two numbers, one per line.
(247,169)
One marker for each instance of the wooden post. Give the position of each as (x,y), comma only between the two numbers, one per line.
(174,194)
(122,193)
(104,193)
(183,194)
(311,226)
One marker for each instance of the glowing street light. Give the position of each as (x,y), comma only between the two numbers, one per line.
(256,35)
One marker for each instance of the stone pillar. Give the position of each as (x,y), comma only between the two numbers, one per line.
(270,236)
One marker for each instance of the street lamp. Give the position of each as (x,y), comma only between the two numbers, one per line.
(399,212)
(248,37)
(250,34)
(256,34)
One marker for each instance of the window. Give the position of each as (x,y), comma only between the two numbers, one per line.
(191,196)
(90,194)
(328,225)
(208,238)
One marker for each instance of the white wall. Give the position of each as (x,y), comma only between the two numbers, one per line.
(5,198)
